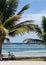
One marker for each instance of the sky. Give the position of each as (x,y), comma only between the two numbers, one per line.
(35,12)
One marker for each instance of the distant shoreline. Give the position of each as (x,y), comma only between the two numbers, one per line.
(22,43)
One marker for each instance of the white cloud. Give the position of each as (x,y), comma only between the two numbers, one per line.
(37,17)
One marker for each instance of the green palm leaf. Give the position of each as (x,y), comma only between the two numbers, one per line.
(3,29)
(8,8)
(38,31)
(23,9)
(11,19)
(29,40)
(7,39)
(22,28)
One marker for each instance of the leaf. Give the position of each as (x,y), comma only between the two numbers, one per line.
(7,39)
(22,28)
(23,9)
(4,30)
(12,18)
(32,40)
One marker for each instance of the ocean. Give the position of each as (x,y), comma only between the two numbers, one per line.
(24,49)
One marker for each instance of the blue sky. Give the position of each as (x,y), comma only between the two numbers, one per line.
(35,12)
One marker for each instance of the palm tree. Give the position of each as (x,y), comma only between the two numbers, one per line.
(44,29)
(8,20)
(41,32)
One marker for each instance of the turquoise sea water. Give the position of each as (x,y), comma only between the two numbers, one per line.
(18,47)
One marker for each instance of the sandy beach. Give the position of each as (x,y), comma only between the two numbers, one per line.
(22,63)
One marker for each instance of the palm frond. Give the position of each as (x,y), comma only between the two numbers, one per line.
(28,26)
(8,8)
(28,40)
(23,9)
(7,39)
(44,28)
(22,28)
(44,23)
(27,22)
(33,40)
(13,4)
(38,31)
(11,19)
(4,30)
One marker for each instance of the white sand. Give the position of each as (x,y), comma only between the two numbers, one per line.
(22,63)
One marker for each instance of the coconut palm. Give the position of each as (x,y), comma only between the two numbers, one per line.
(41,32)
(9,18)
(44,29)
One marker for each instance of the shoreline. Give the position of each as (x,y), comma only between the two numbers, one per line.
(42,58)
(33,53)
